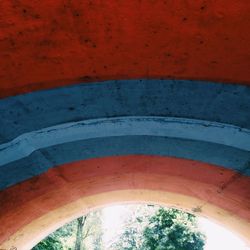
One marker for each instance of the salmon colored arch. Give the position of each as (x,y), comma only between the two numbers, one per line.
(34,208)
(38,229)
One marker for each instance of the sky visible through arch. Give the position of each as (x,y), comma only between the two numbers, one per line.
(218,237)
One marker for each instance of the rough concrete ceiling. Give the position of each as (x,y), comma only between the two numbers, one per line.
(50,43)
(186,137)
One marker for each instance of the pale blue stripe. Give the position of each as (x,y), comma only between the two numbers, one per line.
(190,129)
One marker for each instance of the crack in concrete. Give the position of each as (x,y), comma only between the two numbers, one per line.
(199,209)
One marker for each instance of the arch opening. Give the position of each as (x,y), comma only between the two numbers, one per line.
(33,233)
(122,226)
(68,191)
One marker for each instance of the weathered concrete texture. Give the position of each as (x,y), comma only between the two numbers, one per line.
(42,160)
(215,102)
(181,128)
(202,138)
(46,43)
(38,196)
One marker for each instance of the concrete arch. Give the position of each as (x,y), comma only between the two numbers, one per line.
(76,63)
(191,185)
(185,129)
(197,120)
(148,135)
(50,44)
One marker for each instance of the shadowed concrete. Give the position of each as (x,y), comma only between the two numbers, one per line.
(215,102)
(126,109)
(167,83)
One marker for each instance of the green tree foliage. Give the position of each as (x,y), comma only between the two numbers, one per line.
(172,229)
(131,238)
(160,229)
(56,240)
(82,233)
(148,227)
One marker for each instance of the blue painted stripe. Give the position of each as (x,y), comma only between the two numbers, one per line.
(224,134)
(40,161)
(216,130)
(215,102)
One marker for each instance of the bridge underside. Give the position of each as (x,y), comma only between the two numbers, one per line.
(121,101)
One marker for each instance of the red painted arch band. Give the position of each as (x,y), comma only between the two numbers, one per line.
(49,44)
(23,203)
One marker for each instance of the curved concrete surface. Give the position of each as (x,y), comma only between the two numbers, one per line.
(218,189)
(42,227)
(88,121)
(47,44)
(44,159)
(70,59)
(188,129)
(201,100)
(58,126)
